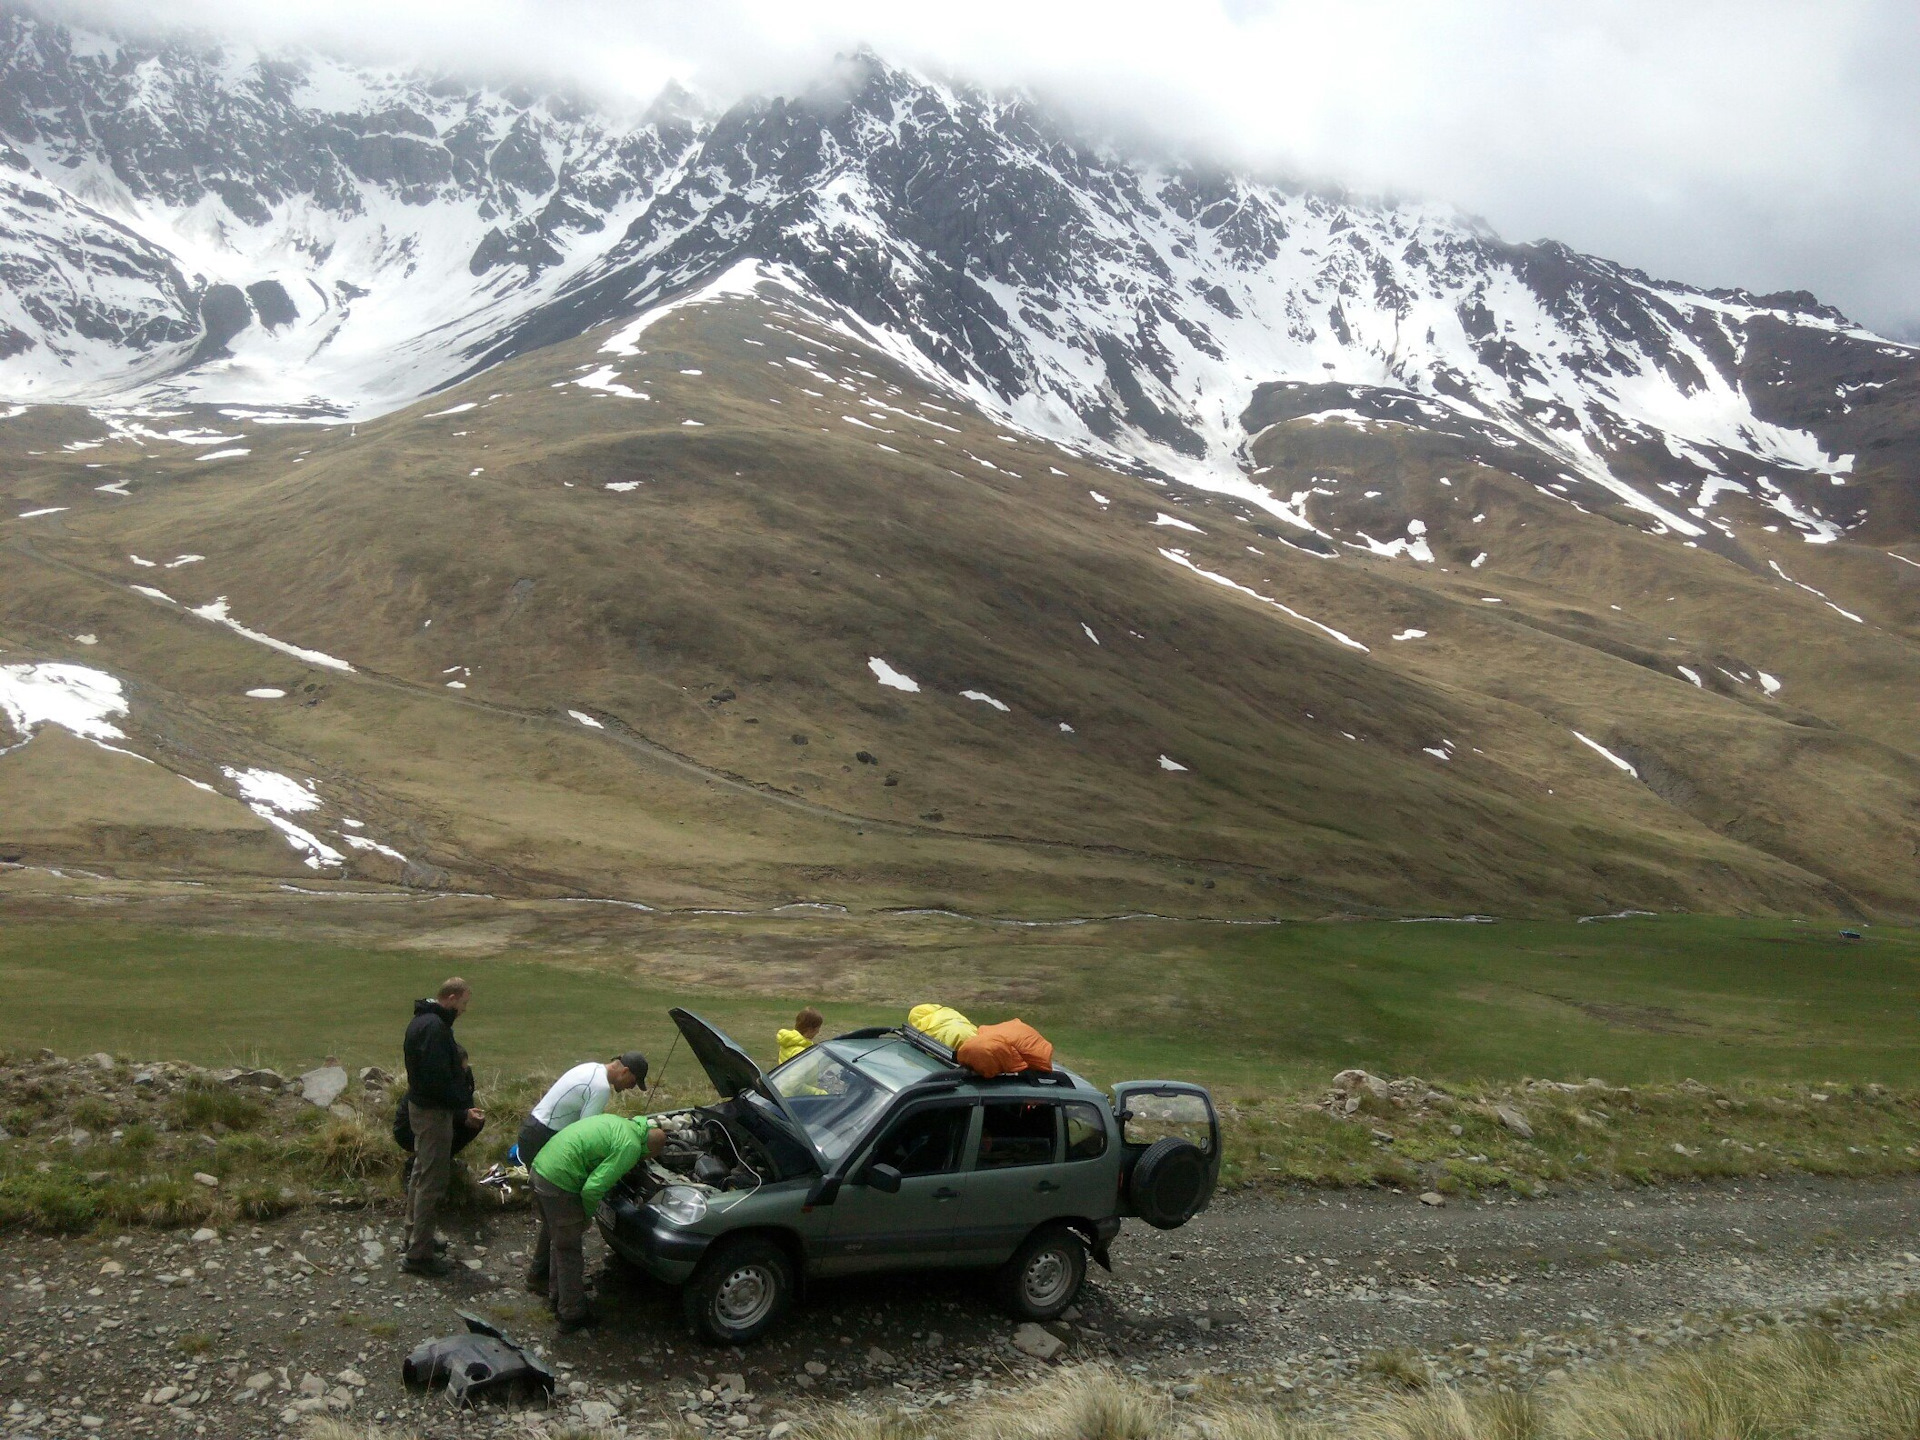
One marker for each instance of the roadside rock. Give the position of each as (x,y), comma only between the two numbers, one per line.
(1037,1341)
(1434,1198)
(323,1086)
(1513,1120)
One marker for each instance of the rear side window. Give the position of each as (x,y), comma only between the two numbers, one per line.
(1018,1132)
(1155,1117)
(1086,1132)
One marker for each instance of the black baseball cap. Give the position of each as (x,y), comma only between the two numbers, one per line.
(637,1063)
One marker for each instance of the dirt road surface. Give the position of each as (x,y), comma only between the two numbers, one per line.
(165,1334)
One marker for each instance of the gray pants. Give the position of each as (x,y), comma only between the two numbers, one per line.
(533,1139)
(565,1221)
(432,1168)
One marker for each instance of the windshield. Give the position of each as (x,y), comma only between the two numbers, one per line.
(827,1093)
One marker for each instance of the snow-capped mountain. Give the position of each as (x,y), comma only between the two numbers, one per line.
(189,221)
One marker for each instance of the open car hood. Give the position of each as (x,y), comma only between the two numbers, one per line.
(735,1075)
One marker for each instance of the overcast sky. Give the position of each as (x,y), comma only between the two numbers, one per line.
(1773,144)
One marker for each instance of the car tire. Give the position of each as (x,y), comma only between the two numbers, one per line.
(740,1291)
(1171,1183)
(1045,1274)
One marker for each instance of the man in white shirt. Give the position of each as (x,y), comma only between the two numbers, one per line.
(577,1095)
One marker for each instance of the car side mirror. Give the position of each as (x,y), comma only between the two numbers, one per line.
(884,1178)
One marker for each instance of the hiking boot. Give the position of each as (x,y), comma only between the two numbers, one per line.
(586,1320)
(436,1266)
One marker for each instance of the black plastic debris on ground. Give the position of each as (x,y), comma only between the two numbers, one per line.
(480,1364)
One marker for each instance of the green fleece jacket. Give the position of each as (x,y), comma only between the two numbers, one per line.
(590,1156)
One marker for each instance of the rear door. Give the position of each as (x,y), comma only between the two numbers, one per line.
(1016,1181)
(1150,1110)
(869,1229)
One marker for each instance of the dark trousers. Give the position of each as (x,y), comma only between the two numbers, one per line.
(533,1138)
(565,1223)
(432,1169)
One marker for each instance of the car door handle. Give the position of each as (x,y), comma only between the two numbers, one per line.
(1046,1187)
(943,1193)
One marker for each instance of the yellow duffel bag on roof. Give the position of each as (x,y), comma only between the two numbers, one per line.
(943,1023)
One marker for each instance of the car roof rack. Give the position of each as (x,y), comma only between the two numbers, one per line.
(919,1039)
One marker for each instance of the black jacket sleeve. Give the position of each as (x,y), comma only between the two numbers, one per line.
(435,1077)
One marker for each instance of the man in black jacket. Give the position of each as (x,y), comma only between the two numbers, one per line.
(439,1095)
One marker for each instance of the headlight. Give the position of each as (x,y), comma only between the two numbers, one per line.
(681,1205)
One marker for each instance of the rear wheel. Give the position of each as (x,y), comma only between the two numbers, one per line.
(740,1291)
(1044,1275)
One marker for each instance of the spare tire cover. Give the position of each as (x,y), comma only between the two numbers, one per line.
(1171,1183)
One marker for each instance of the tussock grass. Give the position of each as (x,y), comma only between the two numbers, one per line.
(1798,1385)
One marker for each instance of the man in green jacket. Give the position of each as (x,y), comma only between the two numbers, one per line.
(571,1175)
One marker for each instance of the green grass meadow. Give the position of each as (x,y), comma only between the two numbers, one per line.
(1633,1001)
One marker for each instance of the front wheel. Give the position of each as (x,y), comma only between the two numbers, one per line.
(1045,1274)
(740,1290)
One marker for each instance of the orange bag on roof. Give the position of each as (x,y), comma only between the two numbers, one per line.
(1002,1049)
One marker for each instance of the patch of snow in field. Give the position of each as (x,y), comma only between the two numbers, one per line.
(1065,729)
(274,790)
(36,514)
(742,278)
(1166,764)
(137,560)
(890,677)
(227,455)
(456,684)
(1099,499)
(1179,557)
(586,719)
(1087,630)
(459,409)
(152,594)
(1414,546)
(1693,675)
(1491,600)
(273,796)
(1165,519)
(1411,635)
(1599,749)
(1905,561)
(697,424)
(216,611)
(1768,683)
(692,372)
(1811,591)
(361,842)
(607,380)
(266,692)
(74,697)
(621,487)
(179,560)
(1436,752)
(983,698)
(115,487)
(1478,561)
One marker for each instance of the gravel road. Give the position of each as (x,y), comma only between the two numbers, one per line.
(166,1334)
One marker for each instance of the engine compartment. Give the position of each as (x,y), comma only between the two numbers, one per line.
(706,1148)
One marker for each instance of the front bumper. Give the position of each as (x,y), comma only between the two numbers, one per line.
(642,1238)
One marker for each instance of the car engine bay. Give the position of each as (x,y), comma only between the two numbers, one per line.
(705,1147)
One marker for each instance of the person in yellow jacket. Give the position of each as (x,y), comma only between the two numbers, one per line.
(806,1026)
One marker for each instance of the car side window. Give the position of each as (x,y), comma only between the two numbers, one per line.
(1017,1132)
(1086,1132)
(927,1142)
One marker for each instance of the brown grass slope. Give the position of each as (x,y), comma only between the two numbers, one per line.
(717,619)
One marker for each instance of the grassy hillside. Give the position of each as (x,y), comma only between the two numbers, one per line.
(707,573)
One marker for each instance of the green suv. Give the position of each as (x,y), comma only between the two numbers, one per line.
(878,1151)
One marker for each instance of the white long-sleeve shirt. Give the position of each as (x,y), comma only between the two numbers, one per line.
(577,1095)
